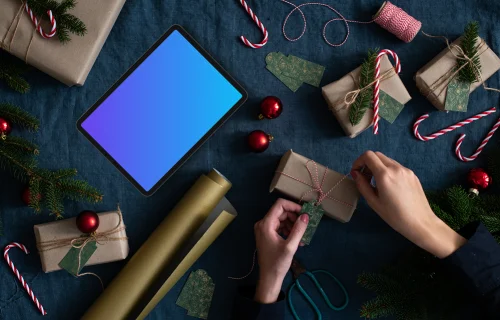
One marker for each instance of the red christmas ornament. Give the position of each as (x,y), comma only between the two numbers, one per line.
(271,107)
(478,179)
(5,128)
(26,196)
(87,221)
(258,140)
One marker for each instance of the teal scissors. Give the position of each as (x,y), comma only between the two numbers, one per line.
(297,270)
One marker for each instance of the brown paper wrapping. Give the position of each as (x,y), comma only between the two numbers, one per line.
(107,251)
(432,73)
(69,63)
(335,92)
(188,230)
(340,204)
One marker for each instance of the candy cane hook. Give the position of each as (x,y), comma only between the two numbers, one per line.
(376,87)
(481,146)
(259,24)
(37,23)
(450,128)
(19,276)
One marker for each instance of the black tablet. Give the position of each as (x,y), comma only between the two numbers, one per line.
(177,94)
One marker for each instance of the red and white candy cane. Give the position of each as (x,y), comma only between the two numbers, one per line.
(376,87)
(19,276)
(450,128)
(259,24)
(481,146)
(38,27)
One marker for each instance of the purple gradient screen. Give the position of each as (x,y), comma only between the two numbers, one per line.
(174,98)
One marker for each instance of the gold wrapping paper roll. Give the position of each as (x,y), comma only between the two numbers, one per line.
(144,269)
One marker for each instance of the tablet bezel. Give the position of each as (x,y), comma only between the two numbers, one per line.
(194,148)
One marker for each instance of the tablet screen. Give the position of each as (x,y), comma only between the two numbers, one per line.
(161,110)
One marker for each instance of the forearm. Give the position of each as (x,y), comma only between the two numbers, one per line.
(268,289)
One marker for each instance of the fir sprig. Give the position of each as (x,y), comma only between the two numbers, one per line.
(469,45)
(365,97)
(66,23)
(11,74)
(18,117)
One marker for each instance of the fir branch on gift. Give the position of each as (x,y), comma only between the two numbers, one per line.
(10,72)
(66,23)
(469,45)
(19,117)
(48,188)
(365,97)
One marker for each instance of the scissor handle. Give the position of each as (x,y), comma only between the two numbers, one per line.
(320,289)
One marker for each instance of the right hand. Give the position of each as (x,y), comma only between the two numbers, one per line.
(400,201)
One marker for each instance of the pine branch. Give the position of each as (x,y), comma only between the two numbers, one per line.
(10,72)
(22,145)
(18,116)
(66,23)
(469,45)
(365,97)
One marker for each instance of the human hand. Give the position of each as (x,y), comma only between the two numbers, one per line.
(401,202)
(275,254)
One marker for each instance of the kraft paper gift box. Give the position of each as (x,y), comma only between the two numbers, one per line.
(335,93)
(51,237)
(69,63)
(433,79)
(293,179)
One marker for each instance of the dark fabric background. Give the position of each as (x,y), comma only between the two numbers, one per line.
(306,126)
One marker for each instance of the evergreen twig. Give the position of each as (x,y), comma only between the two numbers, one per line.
(469,45)
(18,117)
(10,72)
(365,97)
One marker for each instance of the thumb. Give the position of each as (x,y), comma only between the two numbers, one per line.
(364,187)
(298,230)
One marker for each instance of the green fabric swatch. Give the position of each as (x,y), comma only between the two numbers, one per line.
(309,72)
(70,260)
(315,213)
(196,295)
(457,95)
(390,108)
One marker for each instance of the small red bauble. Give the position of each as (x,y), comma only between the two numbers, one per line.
(478,179)
(270,108)
(26,196)
(258,140)
(5,127)
(87,221)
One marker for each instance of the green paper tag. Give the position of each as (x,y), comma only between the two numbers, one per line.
(70,260)
(315,213)
(457,95)
(390,108)
(309,72)
(196,295)
(291,83)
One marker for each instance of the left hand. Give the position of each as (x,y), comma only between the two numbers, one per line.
(275,253)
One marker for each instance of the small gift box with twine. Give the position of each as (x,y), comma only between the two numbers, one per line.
(436,78)
(55,239)
(342,94)
(305,180)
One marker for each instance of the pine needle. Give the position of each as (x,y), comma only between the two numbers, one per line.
(469,45)
(365,97)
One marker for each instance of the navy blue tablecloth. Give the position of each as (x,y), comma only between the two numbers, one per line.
(306,126)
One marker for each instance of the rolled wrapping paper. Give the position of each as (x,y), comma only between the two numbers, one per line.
(133,294)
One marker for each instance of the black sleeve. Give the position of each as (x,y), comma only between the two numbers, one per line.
(245,308)
(477,266)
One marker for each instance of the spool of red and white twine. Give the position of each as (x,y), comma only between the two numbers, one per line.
(259,24)
(376,87)
(19,276)
(462,136)
(38,27)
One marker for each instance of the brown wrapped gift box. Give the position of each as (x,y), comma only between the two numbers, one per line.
(335,92)
(107,251)
(69,63)
(431,75)
(341,201)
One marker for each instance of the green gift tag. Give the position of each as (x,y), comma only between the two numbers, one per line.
(457,95)
(315,213)
(292,84)
(196,295)
(390,108)
(70,260)
(309,72)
